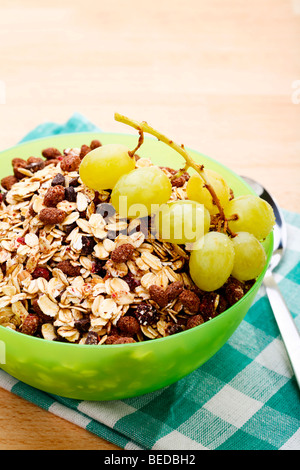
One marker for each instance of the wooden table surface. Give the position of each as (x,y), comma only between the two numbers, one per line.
(220,76)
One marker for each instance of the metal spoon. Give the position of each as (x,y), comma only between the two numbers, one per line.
(284,319)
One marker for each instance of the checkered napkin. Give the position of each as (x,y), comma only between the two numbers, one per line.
(244,398)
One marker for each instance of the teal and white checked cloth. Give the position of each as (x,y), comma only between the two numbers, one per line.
(243,398)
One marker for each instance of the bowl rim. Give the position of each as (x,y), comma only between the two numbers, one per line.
(169,338)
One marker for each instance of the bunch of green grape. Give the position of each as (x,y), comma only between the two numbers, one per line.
(146,191)
(216,256)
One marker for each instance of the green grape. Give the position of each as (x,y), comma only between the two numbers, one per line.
(102,167)
(211,261)
(255,215)
(250,257)
(141,192)
(182,221)
(197,191)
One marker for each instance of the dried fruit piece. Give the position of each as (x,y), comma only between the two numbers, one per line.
(41,271)
(122,253)
(88,244)
(190,301)
(92,338)
(30,325)
(128,325)
(54,195)
(52,215)
(67,268)
(70,194)
(59,179)
(146,314)
(132,281)
(158,294)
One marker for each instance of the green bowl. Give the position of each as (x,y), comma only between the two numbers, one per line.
(111,372)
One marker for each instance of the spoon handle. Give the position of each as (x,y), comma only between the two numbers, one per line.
(285,322)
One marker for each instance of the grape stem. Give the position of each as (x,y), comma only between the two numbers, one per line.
(143,126)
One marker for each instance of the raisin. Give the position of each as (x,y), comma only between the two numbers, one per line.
(146,314)
(59,180)
(82,325)
(132,281)
(174,328)
(92,338)
(41,271)
(88,244)
(98,268)
(67,268)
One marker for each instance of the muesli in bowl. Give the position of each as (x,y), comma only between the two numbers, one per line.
(76,267)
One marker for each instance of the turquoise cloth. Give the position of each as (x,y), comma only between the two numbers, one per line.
(243,398)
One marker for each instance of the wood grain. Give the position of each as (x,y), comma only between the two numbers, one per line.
(216,75)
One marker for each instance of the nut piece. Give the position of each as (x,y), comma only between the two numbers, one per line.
(122,253)
(233,291)
(174,290)
(51,215)
(94,144)
(54,195)
(8,182)
(84,150)
(67,268)
(30,325)
(70,194)
(51,153)
(115,339)
(195,320)
(19,163)
(190,301)
(128,325)
(70,163)
(158,294)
